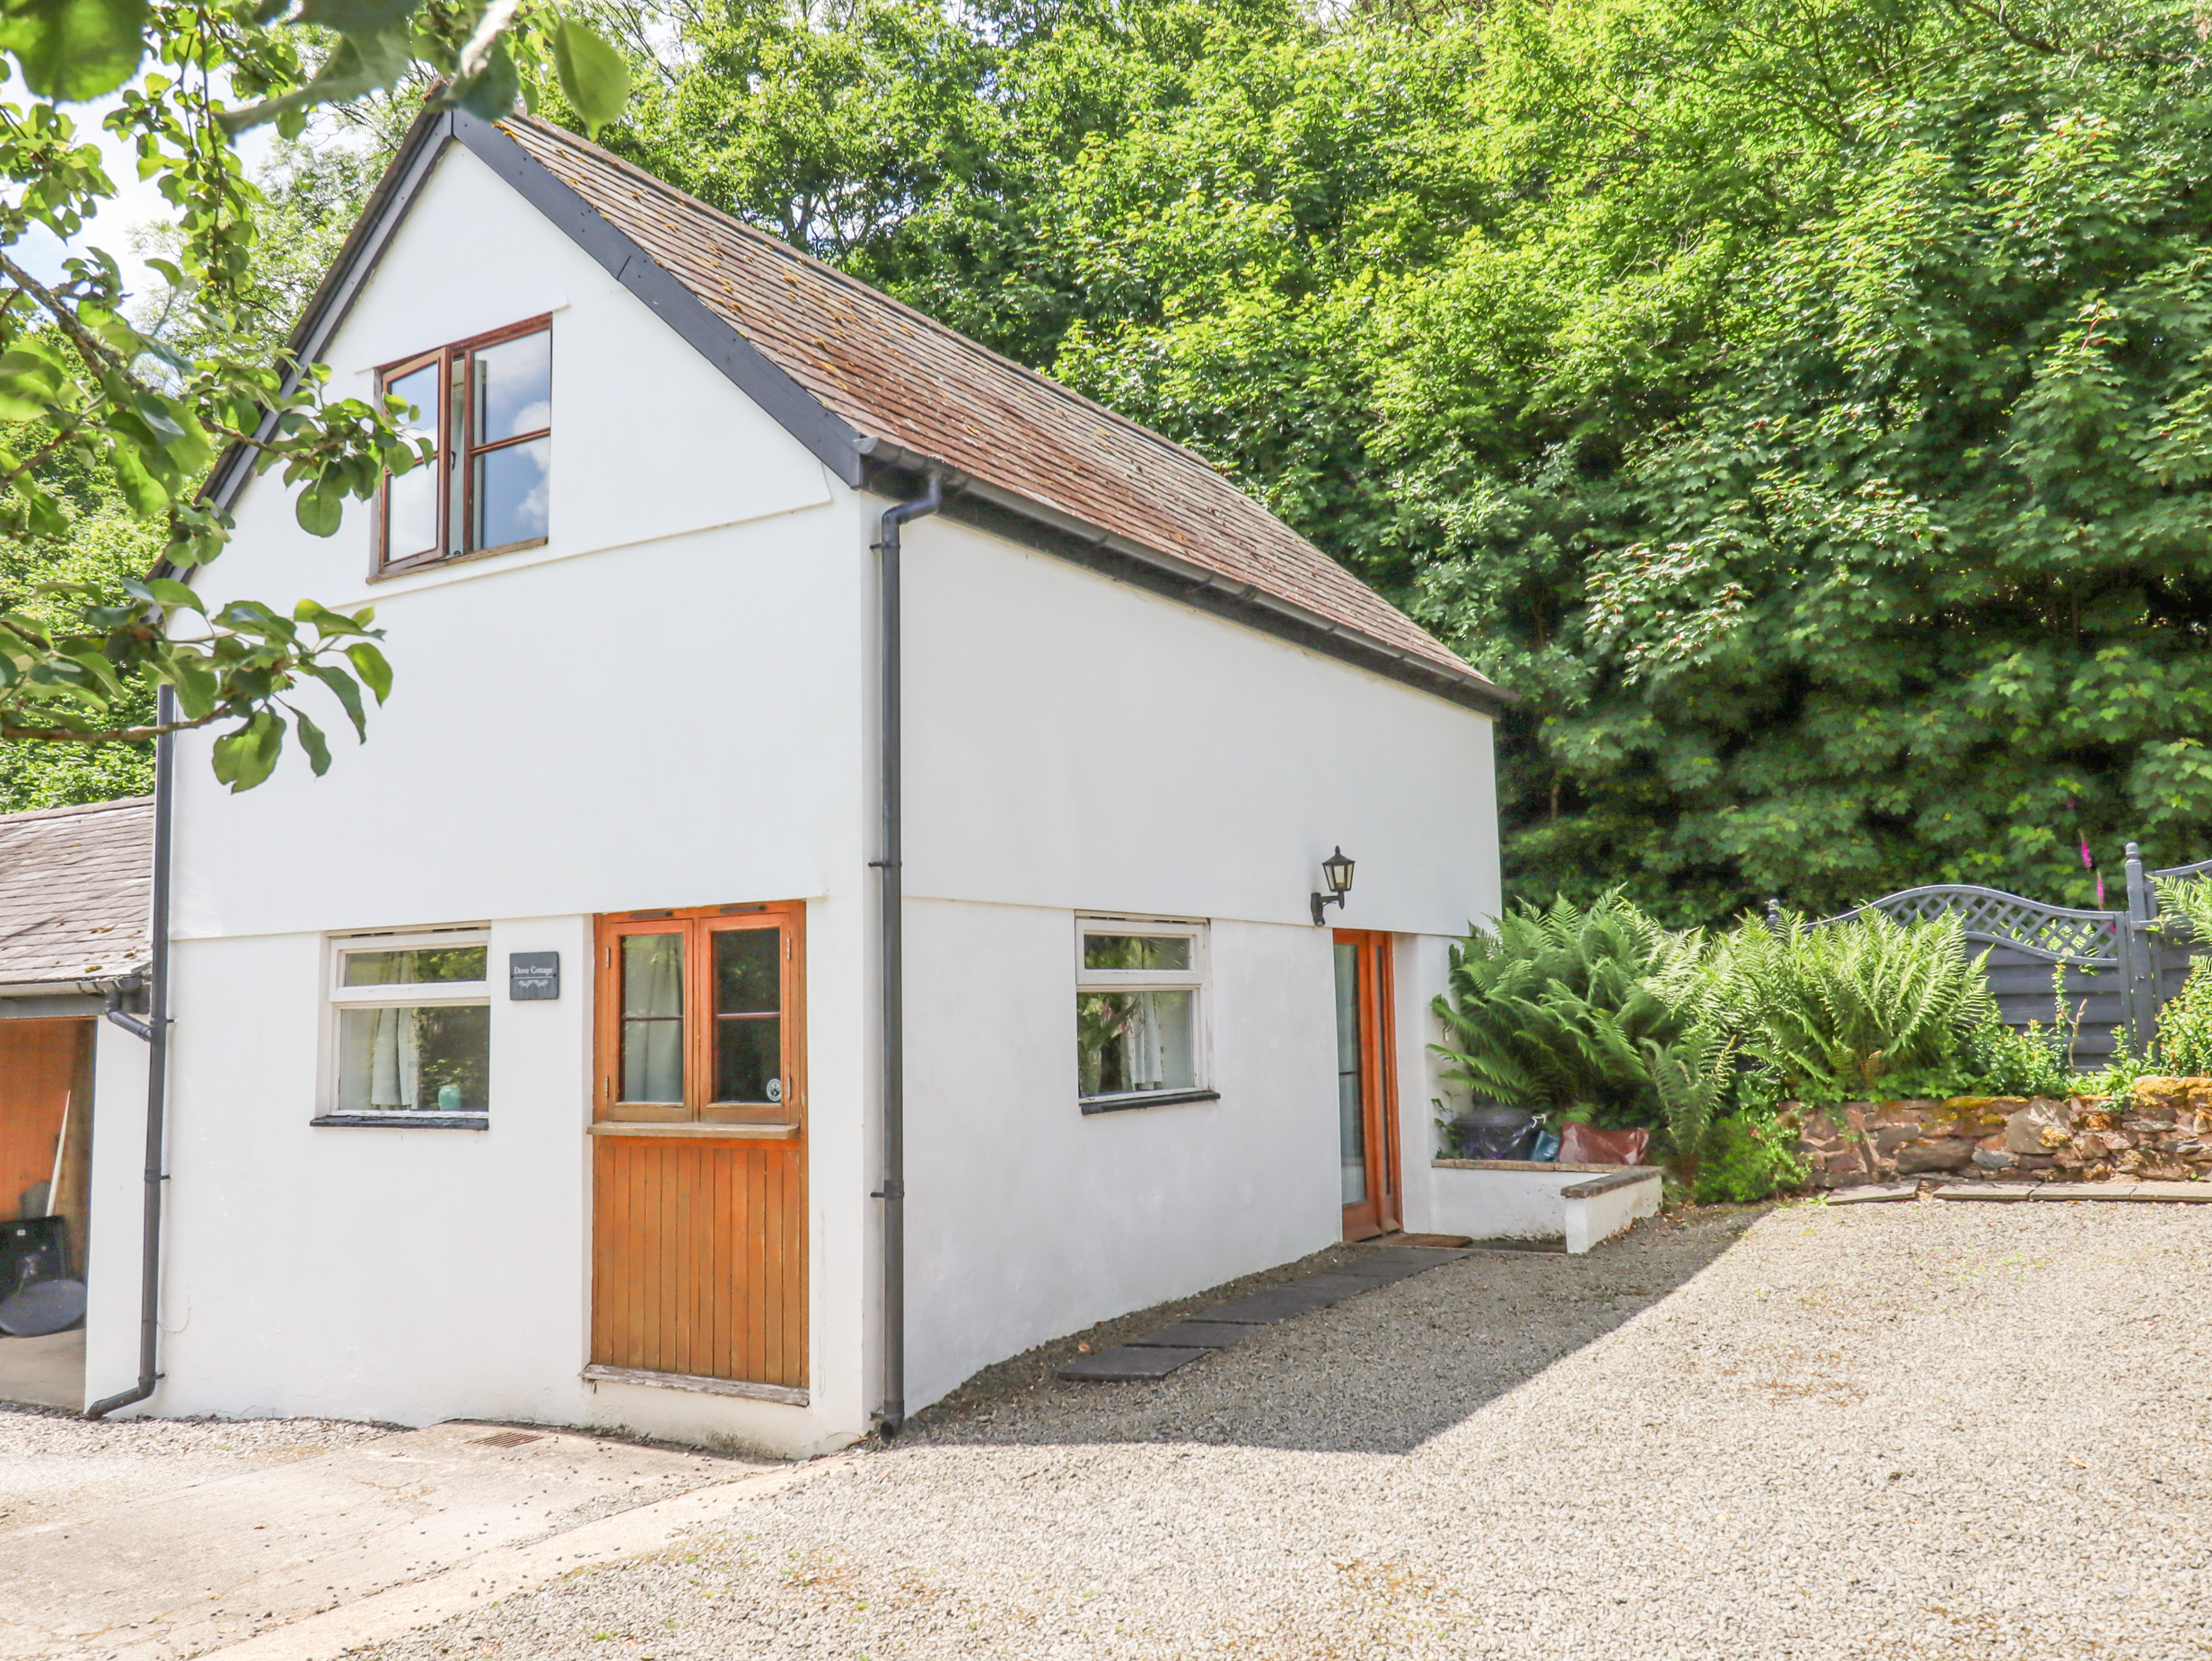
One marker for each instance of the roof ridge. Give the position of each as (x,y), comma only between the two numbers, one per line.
(70,808)
(844,279)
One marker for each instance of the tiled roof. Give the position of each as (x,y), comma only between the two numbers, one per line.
(75,891)
(897,377)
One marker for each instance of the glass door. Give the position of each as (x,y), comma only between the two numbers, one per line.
(1365,1085)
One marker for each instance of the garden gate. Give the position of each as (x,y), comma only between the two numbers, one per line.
(2120,967)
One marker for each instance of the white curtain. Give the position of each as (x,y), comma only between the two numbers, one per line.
(651,1041)
(396,1061)
(380,1058)
(1141,1057)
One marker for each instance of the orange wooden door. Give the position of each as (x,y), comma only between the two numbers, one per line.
(700,1258)
(699,1164)
(1366,1084)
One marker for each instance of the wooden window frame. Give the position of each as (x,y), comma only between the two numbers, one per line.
(697,1113)
(455,423)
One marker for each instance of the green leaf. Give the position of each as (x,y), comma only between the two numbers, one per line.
(74,49)
(492,91)
(374,671)
(311,739)
(343,688)
(141,489)
(319,511)
(29,383)
(594,77)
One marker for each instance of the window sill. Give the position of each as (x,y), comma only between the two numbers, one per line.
(598,1374)
(418,564)
(647,1127)
(402,1122)
(1149,1098)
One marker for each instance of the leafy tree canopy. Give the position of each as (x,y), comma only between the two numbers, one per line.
(1804,407)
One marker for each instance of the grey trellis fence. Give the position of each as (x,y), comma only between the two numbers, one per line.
(2119,967)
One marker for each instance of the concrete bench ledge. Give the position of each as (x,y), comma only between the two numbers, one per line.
(1625,1177)
(1497,1200)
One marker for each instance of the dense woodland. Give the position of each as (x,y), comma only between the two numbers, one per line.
(1805,407)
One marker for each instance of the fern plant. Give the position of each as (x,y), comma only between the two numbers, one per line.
(1556,1007)
(1837,1008)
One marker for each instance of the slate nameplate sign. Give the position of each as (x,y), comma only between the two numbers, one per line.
(533,975)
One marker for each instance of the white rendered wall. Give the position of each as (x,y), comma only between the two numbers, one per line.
(1074,745)
(665,706)
(114,1264)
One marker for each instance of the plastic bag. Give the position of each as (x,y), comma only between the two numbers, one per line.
(1495,1133)
(1587,1145)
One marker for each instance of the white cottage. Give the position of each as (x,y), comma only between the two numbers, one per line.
(755,974)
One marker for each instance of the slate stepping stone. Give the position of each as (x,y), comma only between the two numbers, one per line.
(1131,1361)
(1383,1274)
(1277,1302)
(1415,1257)
(1987,1191)
(1195,1335)
(2085,1190)
(1343,1285)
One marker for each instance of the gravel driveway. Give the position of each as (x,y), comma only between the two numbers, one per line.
(1909,1430)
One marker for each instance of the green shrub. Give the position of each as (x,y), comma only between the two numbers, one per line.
(1748,1158)
(1843,1010)
(1558,1008)
(1997,1060)
(2185,1025)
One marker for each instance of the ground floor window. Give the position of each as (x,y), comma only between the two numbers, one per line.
(412,1025)
(1140,1026)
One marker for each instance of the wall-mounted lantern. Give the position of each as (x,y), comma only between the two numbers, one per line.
(1337,871)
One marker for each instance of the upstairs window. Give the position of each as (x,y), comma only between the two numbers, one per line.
(486,407)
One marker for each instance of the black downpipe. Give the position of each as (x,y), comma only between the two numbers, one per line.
(892,891)
(154,1030)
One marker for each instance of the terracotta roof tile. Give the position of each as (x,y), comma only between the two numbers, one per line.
(897,376)
(75,891)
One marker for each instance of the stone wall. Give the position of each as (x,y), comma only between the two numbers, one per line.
(2162,1132)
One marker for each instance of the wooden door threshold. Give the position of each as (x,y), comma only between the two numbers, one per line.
(599,1374)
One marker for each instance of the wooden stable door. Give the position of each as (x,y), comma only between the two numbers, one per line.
(698,1229)
(1366,1084)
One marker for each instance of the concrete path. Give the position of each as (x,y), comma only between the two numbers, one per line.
(209,1566)
(44,1372)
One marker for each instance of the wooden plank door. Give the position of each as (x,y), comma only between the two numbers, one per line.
(698,1168)
(46,1122)
(1366,1084)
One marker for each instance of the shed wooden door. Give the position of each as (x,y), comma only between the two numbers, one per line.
(46,1122)
(1366,1084)
(699,1167)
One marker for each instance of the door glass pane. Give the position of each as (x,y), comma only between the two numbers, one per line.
(514,388)
(1135,1041)
(749,1027)
(511,496)
(653,1018)
(1352,1122)
(1136,951)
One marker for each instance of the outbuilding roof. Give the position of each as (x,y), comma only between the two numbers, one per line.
(75,892)
(884,394)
